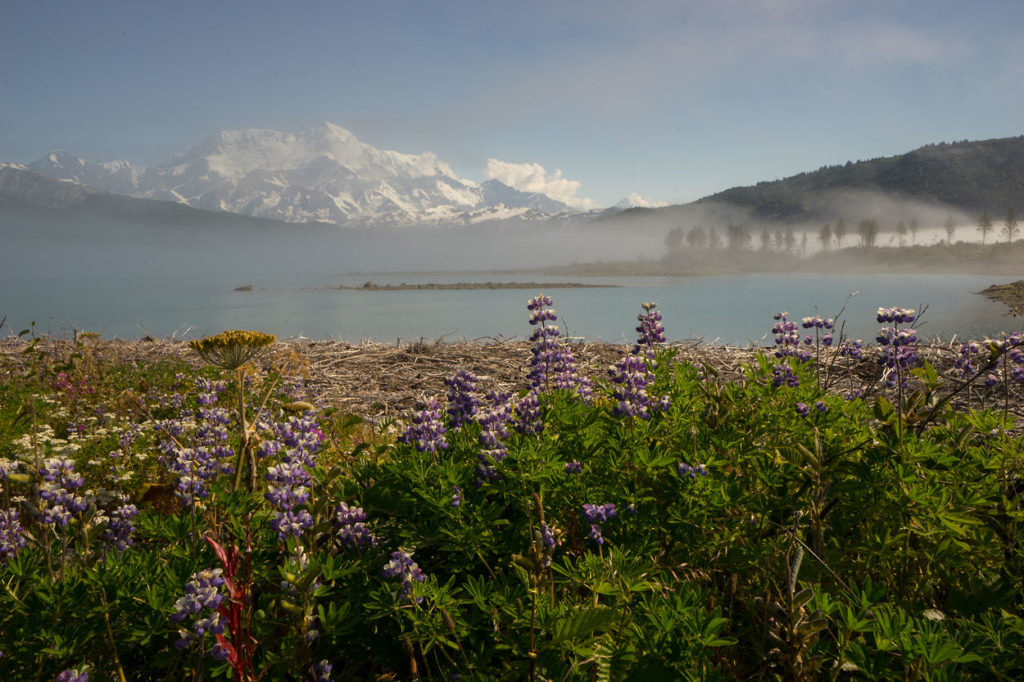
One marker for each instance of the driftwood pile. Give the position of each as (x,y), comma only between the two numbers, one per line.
(376,380)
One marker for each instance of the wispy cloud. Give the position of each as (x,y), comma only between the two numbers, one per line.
(532,177)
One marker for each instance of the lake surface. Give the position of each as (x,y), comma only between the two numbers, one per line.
(734,310)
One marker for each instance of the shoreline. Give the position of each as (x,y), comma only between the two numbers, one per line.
(370,285)
(381,381)
(1010,294)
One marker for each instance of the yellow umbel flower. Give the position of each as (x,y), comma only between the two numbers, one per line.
(232,349)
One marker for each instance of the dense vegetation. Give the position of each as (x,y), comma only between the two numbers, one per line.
(971,176)
(658,523)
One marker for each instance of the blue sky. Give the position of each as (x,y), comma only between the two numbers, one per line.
(669,100)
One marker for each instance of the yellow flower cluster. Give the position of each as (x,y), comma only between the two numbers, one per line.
(232,349)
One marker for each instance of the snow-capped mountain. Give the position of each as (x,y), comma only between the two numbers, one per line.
(324,174)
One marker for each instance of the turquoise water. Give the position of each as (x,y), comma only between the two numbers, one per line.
(723,309)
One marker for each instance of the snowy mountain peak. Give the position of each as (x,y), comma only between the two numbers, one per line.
(322,174)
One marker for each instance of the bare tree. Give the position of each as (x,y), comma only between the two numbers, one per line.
(984,225)
(840,232)
(1010,228)
(825,236)
(868,231)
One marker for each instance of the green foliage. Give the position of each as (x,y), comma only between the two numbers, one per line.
(860,540)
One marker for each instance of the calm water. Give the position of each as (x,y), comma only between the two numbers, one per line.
(726,309)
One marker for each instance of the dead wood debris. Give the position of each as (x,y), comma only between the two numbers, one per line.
(377,380)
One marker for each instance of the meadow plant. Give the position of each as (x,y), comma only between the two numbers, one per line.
(494,422)
(233,351)
(787,338)
(694,471)
(595,515)
(350,527)
(120,530)
(403,567)
(632,374)
(201,602)
(552,365)
(820,548)
(58,501)
(462,399)
(12,538)
(427,431)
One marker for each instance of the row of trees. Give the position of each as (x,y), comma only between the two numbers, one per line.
(735,238)
(739,238)
(1010,228)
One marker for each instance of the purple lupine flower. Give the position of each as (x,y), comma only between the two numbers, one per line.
(596,514)
(650,329)
(787,342)
(194,468)
(462,399)
(200,600)
(787,337)
(58,502)
(853,349)
(321,671)
(802,409)
(629,377)
(573,468)
(783,374)
(118,533)
(289,485)
(633,373)
(427,430)
(820,406)
(72,675)
(547,535)
(897,315)
(529,418)
(268,448)
(11,538)
(402,566)
(351,529)
(493,431)
(288,482)
(817,322)
(291,523)
(127,436)
(685,469)
(456,496)
(303,438)
(599,513)
(897,350)
(172,427)
(552,365)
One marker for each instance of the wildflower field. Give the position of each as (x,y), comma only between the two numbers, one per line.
(840,510)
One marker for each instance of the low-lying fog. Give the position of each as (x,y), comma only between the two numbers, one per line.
(67,247)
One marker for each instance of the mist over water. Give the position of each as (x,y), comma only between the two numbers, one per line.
(176,281)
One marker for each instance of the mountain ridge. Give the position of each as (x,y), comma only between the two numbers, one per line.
(324,174)
(971,176)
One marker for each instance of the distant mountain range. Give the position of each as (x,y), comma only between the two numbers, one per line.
(324,174)
(327,175)
(26,193)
